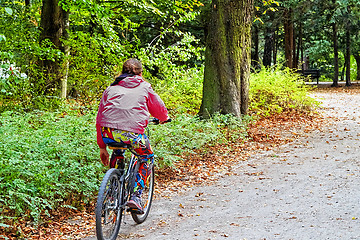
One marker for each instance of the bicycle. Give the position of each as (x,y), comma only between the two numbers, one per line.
(115,190)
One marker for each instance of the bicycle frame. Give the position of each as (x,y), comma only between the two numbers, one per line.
(125,177)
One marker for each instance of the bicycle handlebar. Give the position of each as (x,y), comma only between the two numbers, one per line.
(156,121)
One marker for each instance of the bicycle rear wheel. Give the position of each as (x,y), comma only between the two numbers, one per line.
(146,197)
(109,208)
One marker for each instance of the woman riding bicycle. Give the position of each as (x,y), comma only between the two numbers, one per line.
(123,115)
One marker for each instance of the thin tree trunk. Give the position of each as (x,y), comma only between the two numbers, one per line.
(301,47)
(342,74)
(294,57)
(348,55)
(269,41)
(268,47)
(275,47)
(255,54)
(357,59)
(336,56)
(289,39)
(66,50)
(227,58)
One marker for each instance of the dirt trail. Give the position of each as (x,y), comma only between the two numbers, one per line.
(307,189)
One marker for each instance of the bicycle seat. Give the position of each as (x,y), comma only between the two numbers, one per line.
(113,145)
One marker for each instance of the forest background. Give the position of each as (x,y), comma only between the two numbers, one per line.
(51,83)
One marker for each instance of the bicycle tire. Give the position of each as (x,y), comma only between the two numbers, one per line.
(146,199)
(108,212)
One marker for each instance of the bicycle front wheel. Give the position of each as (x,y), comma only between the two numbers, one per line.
(109,208)
(146,197)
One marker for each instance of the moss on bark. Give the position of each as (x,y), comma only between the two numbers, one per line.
(227,58)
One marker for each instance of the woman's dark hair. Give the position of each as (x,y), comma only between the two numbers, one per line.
(132,66)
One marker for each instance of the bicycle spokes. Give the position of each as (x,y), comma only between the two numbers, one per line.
(109,211)
(114,192)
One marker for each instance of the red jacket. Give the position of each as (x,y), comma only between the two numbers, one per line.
(128,105)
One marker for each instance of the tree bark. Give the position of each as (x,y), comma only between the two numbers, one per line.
(54,22)
(294,57)
(65,64)
(348,55)
(227,58)
(255,60)
(275,46)
(336,56)
(298,48)
(269,40)
(342,74)
(289,37)
(301,47)
(268,47)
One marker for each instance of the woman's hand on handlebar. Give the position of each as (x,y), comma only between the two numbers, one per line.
(157,121)
(166,121)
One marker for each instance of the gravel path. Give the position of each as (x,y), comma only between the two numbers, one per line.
(307,189)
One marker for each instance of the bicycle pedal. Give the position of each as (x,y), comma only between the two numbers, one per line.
(136,211)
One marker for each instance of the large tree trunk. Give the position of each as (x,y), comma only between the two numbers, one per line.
(227,58)
(336,56)
(289,37)
(357,59)
(54,22)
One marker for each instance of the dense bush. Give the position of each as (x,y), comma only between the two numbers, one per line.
(278,90)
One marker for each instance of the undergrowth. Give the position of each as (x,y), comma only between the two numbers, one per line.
(274,91)
(187,132)
(50,159)
(181,91)
(47,158)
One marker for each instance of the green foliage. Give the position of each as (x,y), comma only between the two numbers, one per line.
(51,159)
(101,36)
(275,91)
(180,88)
(177,82)
(94,61)
(187,132)
(48,159)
